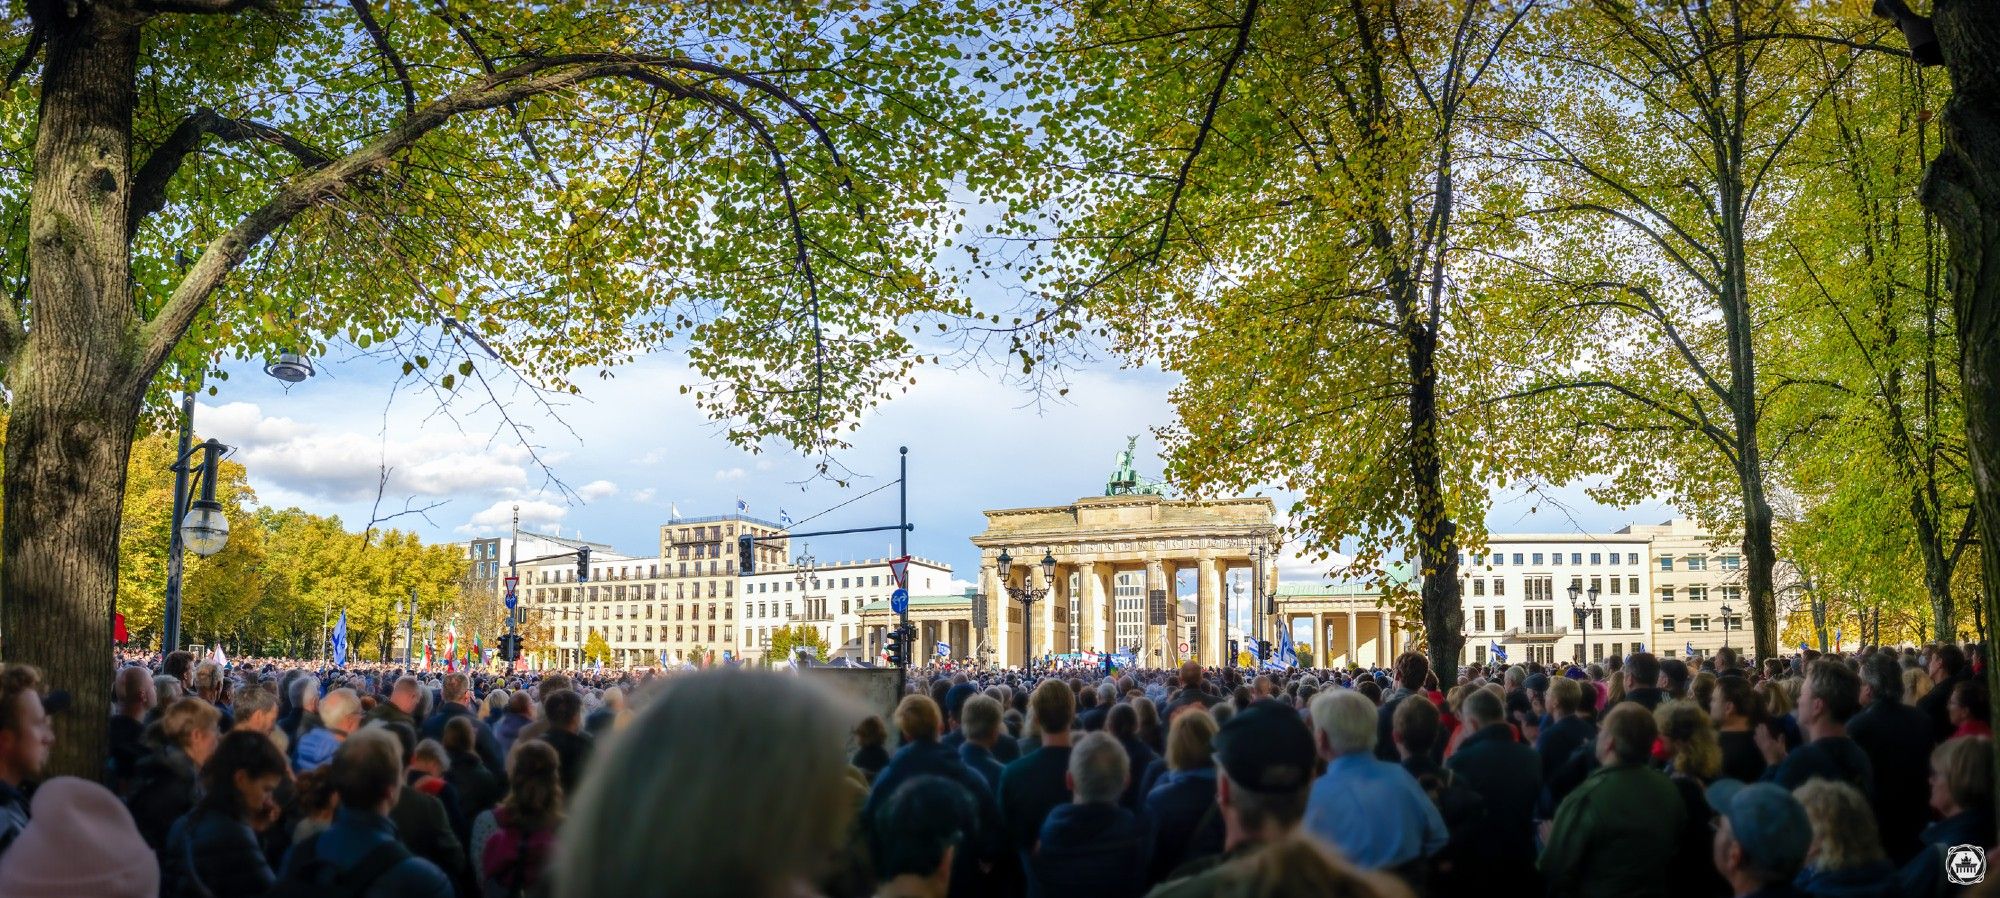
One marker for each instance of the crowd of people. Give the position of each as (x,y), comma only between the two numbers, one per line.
(1853,775)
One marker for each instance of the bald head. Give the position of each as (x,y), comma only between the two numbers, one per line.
(134,690)
(1190,674)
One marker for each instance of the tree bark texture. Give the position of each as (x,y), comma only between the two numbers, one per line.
(75,399)
(1436,532)
(1962,189)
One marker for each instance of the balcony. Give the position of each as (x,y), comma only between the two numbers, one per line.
(1534,634)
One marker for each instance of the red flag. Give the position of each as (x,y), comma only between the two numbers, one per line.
(118,634)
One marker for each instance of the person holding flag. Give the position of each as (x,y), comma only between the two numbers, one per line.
(339,646)
(1499,651)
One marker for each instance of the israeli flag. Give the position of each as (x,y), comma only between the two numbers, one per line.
(1690,648)
(1284,657)
(742,507)
(784,518)
(943,649)
(340,641)
(1499,651)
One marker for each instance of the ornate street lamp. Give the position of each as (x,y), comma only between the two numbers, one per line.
(1585,603)
(1726,612)
(1027,595)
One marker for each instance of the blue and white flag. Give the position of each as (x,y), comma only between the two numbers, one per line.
(943,648)
(340,641)
(1499,651)
(784,518)
(600,666)
(1802,646)
(1836,639)
(1284,657)
(742,507)
(1690,648)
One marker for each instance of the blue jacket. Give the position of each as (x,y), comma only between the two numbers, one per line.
(1507,776)
(1099,850)
(218,851)
(984,842)
(980,760)
(1374,812)
(314,748)
(1177,807)
(353,835)
(482,735)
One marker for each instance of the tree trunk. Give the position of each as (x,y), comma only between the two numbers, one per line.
(1437,534)
(1962,189)
(1937,563)
(75,400)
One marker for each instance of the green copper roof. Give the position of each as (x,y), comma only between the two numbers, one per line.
(1398,573)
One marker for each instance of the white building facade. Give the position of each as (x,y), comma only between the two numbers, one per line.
(1695,577)
(828,597)
(1517,597)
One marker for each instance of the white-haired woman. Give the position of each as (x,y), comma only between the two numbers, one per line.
(680,802)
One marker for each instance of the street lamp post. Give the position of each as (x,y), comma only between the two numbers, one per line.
(1585,603)
(805,570)
(1726,612)
(1027,595)
(200,524)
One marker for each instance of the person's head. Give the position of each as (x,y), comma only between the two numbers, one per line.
(430,758)
(1843,825)
(457,689)
(459,738)
(564,709)
(1564,697)
(1265,757)
(534,783)
(1122,721)
(1968,702)
(166,690)
(256,709)
(1191,740)
(1343,723)
(1948,662)
(1762,834)
(1779,696)
(495,702)
(1412,669)
(520,704)
(340,711)
(1099,769)
(1190,675)
(208,680)
(919,829)
(918,719)
(1690,738)
(1962,775)
(81,841)
(708,745)
(1482,709)
(180,666)
(189,725)
(26,734)
(404,694)
(1052,706)
(1299,866)
(1830,694)
(134,691)
(367,770)
(550,685)
(242,774)
(1642,670)
(1882,678)
(305,693)
(979,717)
(1625,735)
(871,731)
(1724,659)
(1415,726)
(1916,684)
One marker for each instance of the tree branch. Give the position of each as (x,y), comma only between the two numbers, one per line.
(149,183)
(1207,123)
(381,39)
(199,7)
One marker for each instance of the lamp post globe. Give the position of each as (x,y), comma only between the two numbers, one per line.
(290,367)
(1048,568)
(1005,563)
(205,529)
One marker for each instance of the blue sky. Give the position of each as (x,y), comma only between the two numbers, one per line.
(632,447)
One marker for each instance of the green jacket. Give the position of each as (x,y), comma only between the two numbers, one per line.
(1615,835)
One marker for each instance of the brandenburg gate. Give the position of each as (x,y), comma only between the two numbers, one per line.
(1095,539)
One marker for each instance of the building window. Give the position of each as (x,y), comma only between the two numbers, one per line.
(1478,586)
(1499,618)
(1538,589)
(1666,562)
(1617,622)
(1499,558)
(1697,562)
(1615,583)
(1698,624)
(1479,620)
(1632,585)
(1555,558)
(1666,593)
(1732,562)
(1517,559)
(1538,559)
(1499,586)
(1697,593)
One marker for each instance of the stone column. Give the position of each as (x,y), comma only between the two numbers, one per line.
(1155,641)
(1321,658)
(1045,610)
(1170,645)
(1208,603)
(997,631)
(1353,640)
(1091,628)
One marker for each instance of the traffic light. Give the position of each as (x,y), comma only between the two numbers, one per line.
(510,647)
(746,561)
(1233,652)
(899,646)
(1263,650)
(583,564)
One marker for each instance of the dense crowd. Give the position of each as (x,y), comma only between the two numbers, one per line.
(1868,774)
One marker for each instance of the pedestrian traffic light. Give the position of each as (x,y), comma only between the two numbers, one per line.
(746,561)
(583,564)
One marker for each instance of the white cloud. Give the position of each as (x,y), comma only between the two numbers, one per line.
(727,474)
(498,517)
(643,496)
(597,489)
(346,465)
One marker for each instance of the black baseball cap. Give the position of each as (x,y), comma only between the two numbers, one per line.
(1266,748)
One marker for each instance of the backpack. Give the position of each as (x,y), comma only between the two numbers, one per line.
(515,856)
(312,877)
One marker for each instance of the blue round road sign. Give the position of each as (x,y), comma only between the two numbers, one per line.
(899,601)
